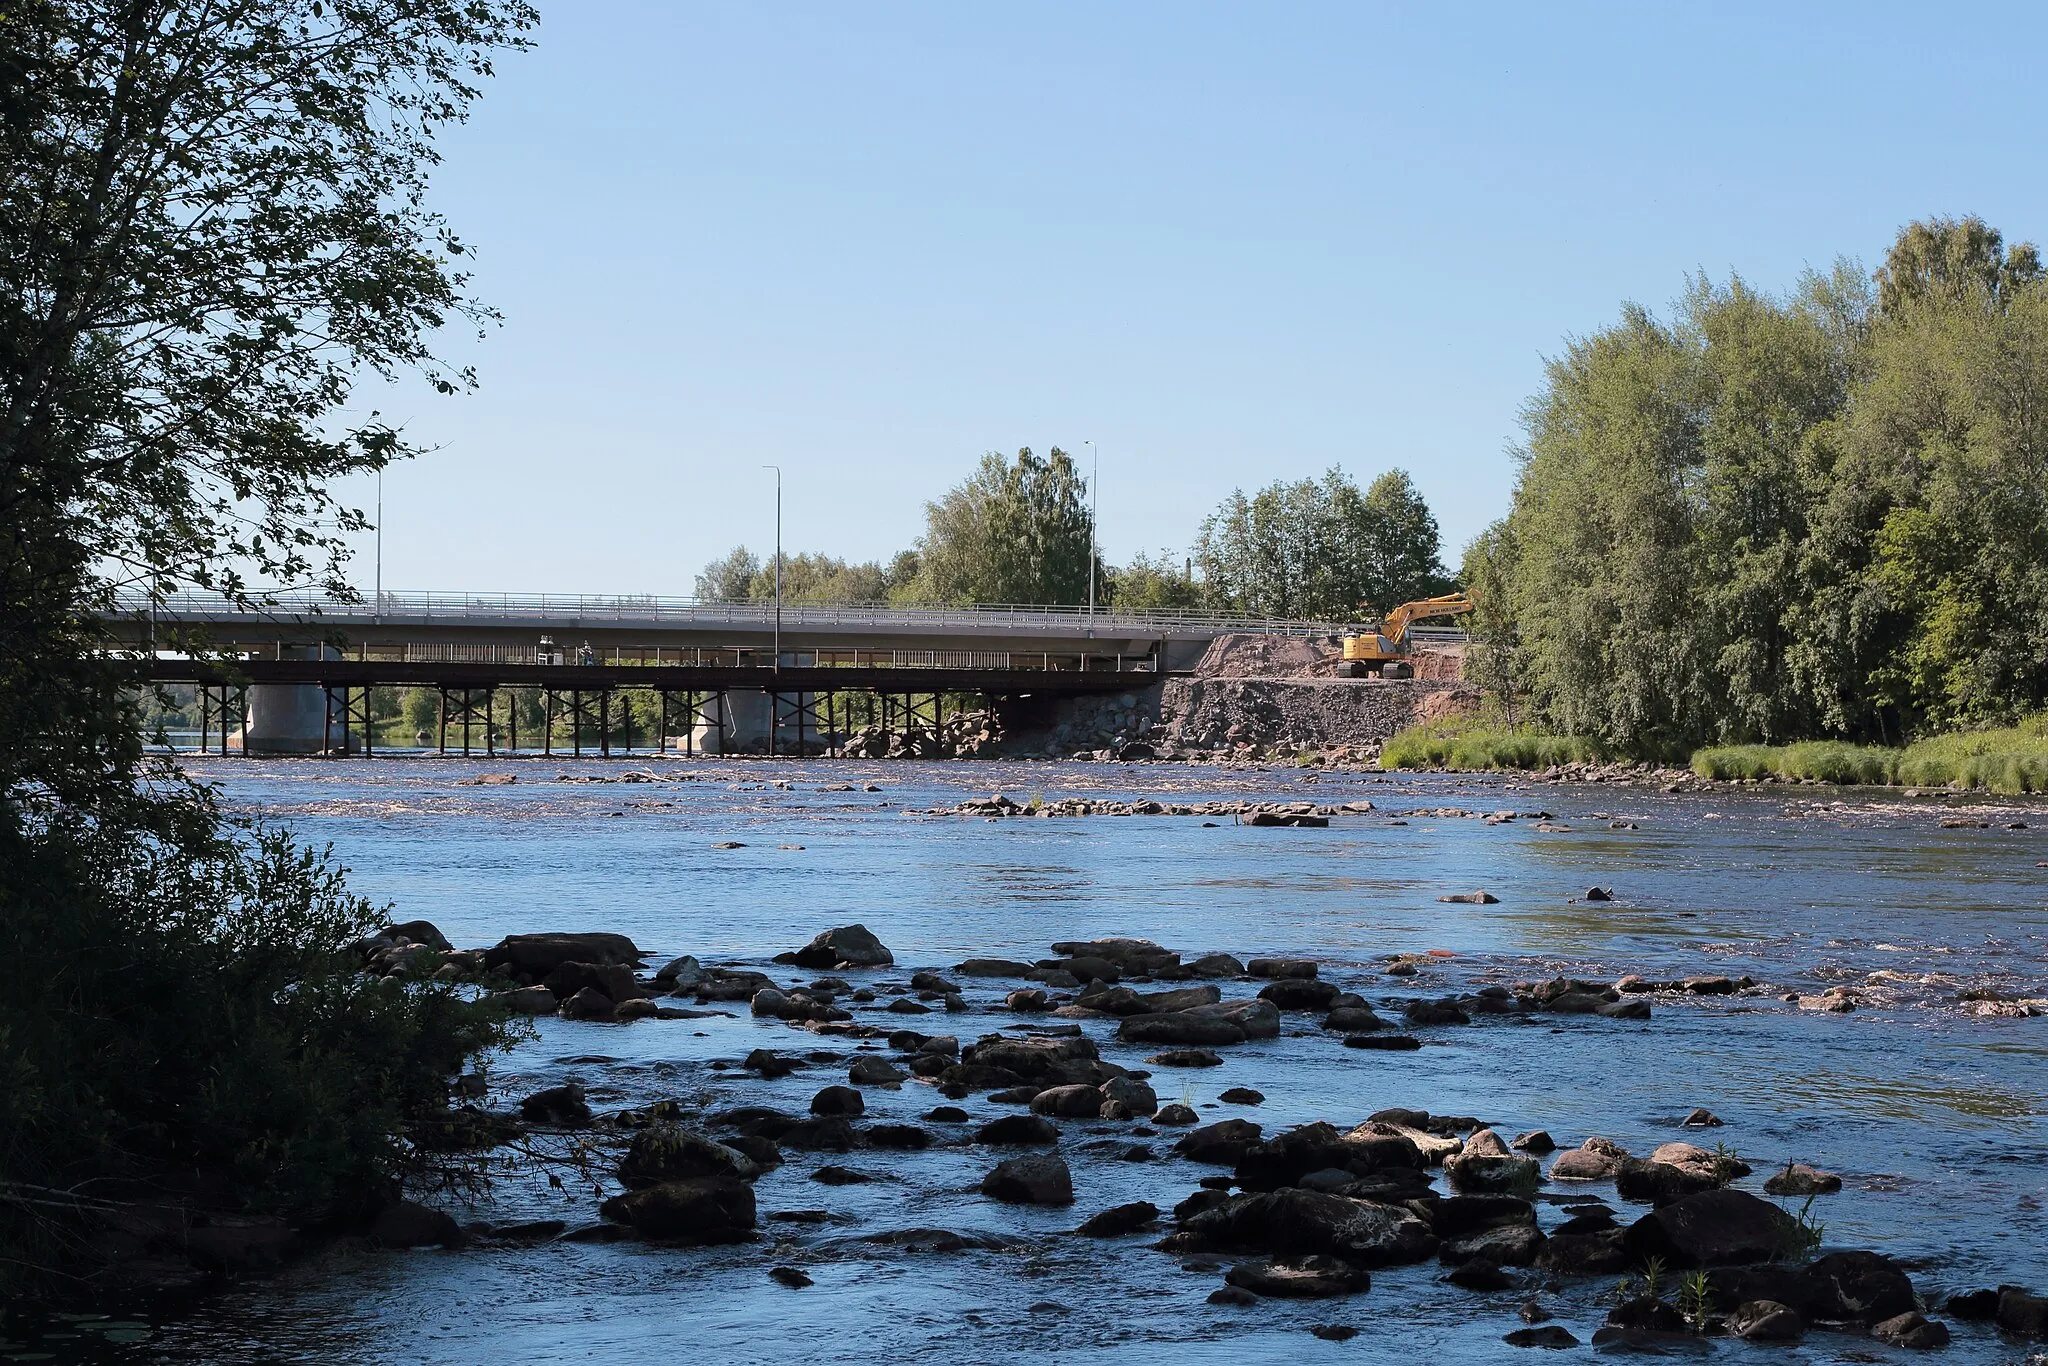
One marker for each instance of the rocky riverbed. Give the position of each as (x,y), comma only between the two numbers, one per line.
(1422,1076)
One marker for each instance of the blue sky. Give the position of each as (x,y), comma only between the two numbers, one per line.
(1228,244)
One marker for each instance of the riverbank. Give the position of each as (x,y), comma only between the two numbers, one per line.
(2010,760)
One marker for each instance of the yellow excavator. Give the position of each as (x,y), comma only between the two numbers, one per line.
(1385,651)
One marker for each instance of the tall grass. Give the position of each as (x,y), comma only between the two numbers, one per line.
(1467,743)
(2010,759)
(1827,761)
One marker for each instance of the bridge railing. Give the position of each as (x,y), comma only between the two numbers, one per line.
(568,610)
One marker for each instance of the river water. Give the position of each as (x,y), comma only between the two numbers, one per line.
(1936,1118)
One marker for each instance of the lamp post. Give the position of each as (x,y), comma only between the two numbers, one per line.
(778,563)
(1094,478)
(377,609)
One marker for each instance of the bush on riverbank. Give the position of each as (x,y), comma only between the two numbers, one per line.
(2009,759)
(186,1024)
(1469,743)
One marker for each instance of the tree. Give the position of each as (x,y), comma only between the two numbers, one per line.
(1402,551)
(1147,584)
(1947,260)
(212,220)
(729,578)
(1320,548)
(1780,518)
(1013,532)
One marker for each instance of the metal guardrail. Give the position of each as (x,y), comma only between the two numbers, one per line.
(580,608)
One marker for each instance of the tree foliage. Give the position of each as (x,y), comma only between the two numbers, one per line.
(1824,515)
(1321,548)
(742,576)
(212,222)
(1016,531)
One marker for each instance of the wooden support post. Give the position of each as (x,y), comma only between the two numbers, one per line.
(576,720)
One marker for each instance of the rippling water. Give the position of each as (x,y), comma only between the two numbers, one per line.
(1934,1117)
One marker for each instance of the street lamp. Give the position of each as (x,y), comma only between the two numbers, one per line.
(1094,478)
(778,563)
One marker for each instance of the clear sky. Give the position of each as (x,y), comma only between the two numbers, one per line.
(1229,244)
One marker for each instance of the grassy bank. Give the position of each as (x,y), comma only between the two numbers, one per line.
(2010,759)
(1471,743)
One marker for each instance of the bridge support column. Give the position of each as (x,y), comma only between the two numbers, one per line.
(288,718)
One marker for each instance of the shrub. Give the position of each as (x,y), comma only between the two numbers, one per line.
(1466,743)
(181,1000)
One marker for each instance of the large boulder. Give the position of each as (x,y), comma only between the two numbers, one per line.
(419,932)
(1033,1179)
(854,945)
(1258,1019)
(1481,1173)
(992,967)
(704,1209)
(614,981)
(1312,1277)
(537,955)
(1132,955)
(1859,1287)
(1120,1220)
(1724,1227)
(1597,1159)
(1220,1144)
(1300,993)
(1179,1027)
(1068,1102)
(669,1152)
(563,1107)
(1182,998)
(403,1223)
(1021,1131)
(1291,1220)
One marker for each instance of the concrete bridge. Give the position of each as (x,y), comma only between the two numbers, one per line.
(298,669)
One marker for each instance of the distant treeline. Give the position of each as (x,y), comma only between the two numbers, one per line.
(1017,531)
(1772,519)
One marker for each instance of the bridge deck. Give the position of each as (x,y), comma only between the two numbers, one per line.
(357,673)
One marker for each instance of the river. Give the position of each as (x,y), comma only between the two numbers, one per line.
(1936,1118)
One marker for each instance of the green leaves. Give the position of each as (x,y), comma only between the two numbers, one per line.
(1321,549)
(1772,519)
(1014,532)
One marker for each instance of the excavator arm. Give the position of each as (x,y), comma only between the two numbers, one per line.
(1395,627)
(1390,642)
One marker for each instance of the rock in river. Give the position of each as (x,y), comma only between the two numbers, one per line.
(668,1152)
(1311,1277)
(851,944)
(705,1209)
(1034,1179)
(1722,1227)
(1800,1179)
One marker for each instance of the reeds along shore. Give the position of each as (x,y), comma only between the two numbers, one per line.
(2009,759)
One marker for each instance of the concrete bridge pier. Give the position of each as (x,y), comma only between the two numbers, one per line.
(738,722)
(291,718)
